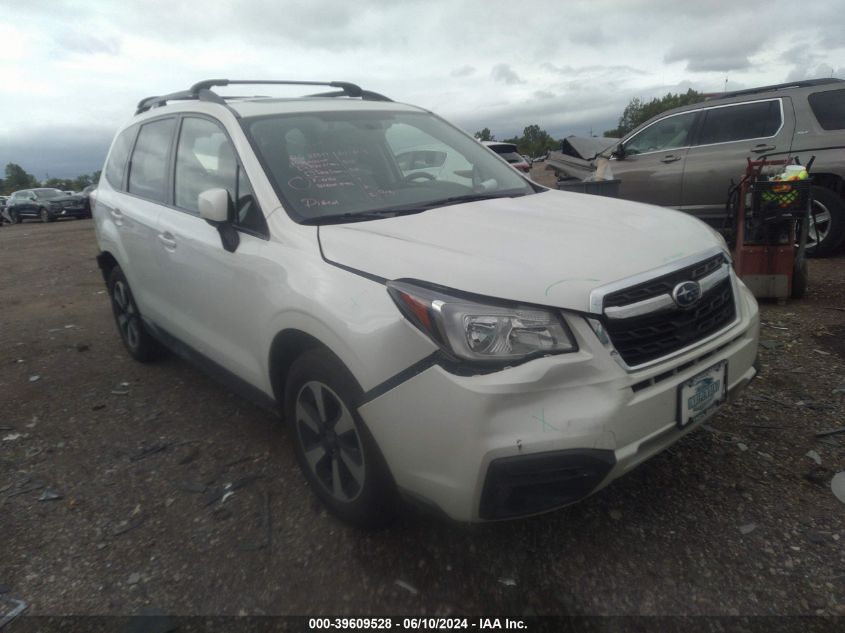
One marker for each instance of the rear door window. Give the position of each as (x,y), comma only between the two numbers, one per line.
(760,119)
(148,168)
(829,108)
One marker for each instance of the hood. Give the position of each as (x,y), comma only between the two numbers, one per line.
(551,248)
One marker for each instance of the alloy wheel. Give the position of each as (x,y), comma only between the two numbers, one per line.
(126,314)
(330,442)
(819,224)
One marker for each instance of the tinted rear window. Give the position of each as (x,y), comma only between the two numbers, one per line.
(148,171)
(738,122)
(117,159)
(829,108)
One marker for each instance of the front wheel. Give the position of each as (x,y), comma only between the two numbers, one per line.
(827,223)
(15,217)
(45,216)
(334,448)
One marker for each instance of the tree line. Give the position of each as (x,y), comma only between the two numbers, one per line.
(536,141)
(17,178)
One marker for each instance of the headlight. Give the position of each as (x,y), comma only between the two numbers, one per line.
(482,331)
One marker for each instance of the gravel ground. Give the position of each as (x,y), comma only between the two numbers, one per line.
(111,474)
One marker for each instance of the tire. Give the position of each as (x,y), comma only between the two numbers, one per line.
(829,209)
(137,341)
(800,278)
(337,453)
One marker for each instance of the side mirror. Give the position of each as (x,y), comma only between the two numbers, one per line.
(618,152)
(214,205)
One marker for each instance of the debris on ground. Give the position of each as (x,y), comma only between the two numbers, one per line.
(134,578)
(507,582)
(125,526)
(10,609)
(50,495)
(34,378)
(147,451)
(406,586)
(121,389)
(748,528)
(814,456)
(837,485)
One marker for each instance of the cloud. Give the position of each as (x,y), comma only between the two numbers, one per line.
(57,151)
(721,47)
(504,74)
(543,94)
(463,71)
(85,43)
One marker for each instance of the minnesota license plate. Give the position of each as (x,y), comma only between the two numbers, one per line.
(701,395)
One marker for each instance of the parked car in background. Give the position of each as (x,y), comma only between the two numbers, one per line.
(461,338)
(3,217)
(687,157)
(510,153)
(45,204)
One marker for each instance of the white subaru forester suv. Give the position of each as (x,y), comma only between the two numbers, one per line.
(431,325)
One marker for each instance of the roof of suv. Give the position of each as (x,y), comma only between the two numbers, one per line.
(801,88)
(355,97)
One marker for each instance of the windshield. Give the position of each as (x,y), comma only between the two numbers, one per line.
(48,193)
(326,165)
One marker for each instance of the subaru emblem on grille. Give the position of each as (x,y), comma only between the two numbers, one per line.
(686,294)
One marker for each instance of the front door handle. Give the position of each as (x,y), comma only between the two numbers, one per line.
(117,216)
(762,148)
(670,158)
(168,240)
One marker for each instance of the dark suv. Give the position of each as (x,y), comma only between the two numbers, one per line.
(45,204)
(686,158)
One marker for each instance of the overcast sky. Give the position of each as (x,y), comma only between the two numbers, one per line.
(72,71)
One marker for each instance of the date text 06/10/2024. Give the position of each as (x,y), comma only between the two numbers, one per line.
(414,624)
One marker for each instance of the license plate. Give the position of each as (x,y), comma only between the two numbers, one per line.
(701,395)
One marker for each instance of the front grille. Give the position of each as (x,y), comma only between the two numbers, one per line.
(663,285)
(645,338)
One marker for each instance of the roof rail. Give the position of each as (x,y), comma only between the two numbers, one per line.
(202,91)
(805,83)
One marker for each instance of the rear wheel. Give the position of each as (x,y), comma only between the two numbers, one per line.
(827,223)
(335,450)
(138,342)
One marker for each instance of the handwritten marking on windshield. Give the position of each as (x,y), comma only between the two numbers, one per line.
(542,420)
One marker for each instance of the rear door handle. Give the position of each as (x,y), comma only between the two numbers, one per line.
(761,148)
(168,240)
(670,158)
(117,216)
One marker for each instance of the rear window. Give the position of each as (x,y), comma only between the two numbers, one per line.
(829,108)
(117,159)
(738,122)
(148,171)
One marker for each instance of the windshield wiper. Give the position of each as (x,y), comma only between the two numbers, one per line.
(375,214)
(406,209)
